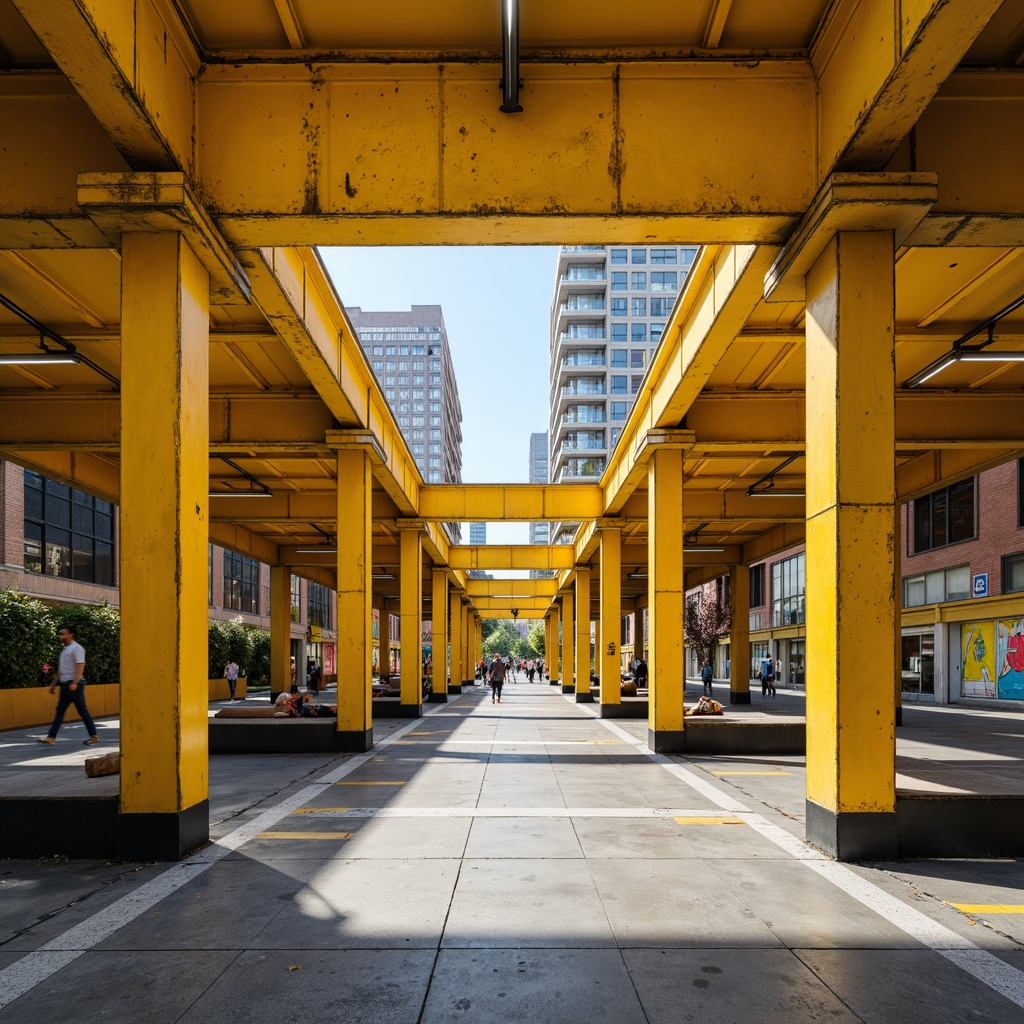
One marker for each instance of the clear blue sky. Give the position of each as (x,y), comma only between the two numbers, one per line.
(496,302)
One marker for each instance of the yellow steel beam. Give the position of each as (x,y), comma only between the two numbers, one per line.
(511,556)
(511,588)
(526,607)
(134,65)
(878,66)
(509,502)
(721,290)
(462,160)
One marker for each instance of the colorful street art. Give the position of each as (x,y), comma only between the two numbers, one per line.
(1010,658)
(978,657)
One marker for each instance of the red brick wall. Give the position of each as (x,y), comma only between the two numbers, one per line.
(997,532)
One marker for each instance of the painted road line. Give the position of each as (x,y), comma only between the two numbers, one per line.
(988,908)
(721,774)
(34,968)
(304,835)
(529,743)
(506,812)
(988,969)
(709,821)
(369,783)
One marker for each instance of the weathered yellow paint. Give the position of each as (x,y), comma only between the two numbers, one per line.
(280,628)
(665,591)
(411,613)
(457,620)
(739,629)
(305,835)
(518,503)
(510,556)
(610,624)
(511,588)
(439,632)
(568,641)
(552,655)
(988,908)
(850,544)
(164,480)
(583,630)
(355,611)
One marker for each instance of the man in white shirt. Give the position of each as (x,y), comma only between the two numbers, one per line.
(70,669)
(231,675)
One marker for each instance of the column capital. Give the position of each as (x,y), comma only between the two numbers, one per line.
(158,201)
(862,201)
(357,440)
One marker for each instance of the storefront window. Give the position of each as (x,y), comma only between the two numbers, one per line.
(917,669)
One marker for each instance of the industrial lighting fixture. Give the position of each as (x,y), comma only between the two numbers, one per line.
(47,357)
(637,575)
(382,576)
(256,488)
(323,549)
(765,487)
(691,542)
(961,352)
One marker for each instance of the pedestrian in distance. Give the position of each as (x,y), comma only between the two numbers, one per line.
(767,678)
(639,672)
(497,677)
(707,675)
(231,675)
(70,670)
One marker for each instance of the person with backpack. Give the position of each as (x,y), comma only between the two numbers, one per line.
(767,678)
(707,675)
(496,674)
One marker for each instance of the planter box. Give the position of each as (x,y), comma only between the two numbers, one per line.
(219,689)
(35,705)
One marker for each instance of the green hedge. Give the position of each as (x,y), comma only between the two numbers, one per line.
(28,641)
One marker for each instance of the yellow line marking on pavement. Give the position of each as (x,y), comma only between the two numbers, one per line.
(370,783)
(989,908)
(314,810)
(751,773)
(709,821)
(305,835)
(434,732)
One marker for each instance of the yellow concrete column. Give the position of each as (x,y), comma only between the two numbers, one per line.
(384,639)
(739,634)
(411,620)
(280,629)
(468,636)
(552,653)
(610,623)
(355,602)
(568,644)
(665,598)
(439,638)
(164,526)
(851,799)
(459,640)
(897,615)
(583,694)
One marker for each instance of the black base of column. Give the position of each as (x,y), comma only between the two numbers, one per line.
(554,682)
(454,689)
(852,835)
(585,698)
(667,741)
(739,696)
(568,689)
(899,715)
(163,836)
(627,709)
(439,698)
(354,741)
(395,709)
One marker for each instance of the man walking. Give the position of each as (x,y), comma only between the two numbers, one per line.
(72,687)
(231,675)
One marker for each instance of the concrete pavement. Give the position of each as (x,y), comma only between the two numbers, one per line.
(521,862)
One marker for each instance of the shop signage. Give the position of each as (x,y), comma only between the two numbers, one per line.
(980,585)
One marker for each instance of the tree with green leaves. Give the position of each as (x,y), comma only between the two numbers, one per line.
(535,640)
(27,640)
(503,639)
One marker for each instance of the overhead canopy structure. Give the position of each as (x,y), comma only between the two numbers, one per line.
(850,335)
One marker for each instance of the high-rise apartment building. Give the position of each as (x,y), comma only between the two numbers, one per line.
(409,353)
(610,307)
(477,533)
(539,475)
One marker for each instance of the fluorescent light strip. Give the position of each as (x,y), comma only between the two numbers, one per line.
(37,358)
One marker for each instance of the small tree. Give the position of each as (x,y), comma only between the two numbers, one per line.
(26,640)
(504,639)
(535,640)
(259,659)
(705,623)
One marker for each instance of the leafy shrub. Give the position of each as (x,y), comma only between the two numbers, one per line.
(98,629)
(27,640)
(259,660)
